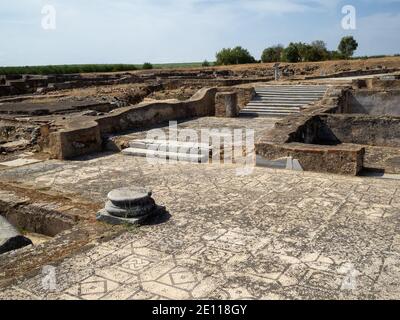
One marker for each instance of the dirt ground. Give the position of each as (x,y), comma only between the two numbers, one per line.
(311,68)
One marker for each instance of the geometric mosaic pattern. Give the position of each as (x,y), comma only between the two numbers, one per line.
(269,235)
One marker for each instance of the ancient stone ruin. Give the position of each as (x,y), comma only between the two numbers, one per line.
(130,205)
(264,187)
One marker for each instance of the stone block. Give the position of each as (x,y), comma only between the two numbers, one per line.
(226,104)
(346,159)
(128,206)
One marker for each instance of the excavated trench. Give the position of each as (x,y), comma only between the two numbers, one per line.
(40,216)
(371,120)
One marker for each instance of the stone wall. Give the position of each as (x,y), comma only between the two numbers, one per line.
(381,131)
(78,138)
(334,129)
(328,138)
(84,136)
(302,136)
(375,102)
(341,159)
(377,83)
(151,113)
(226,104)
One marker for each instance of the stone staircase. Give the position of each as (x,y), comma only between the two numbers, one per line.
(169,150)
(282,100)
(197,152)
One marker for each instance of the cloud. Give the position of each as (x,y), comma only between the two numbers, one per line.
(133,31)
(378,33)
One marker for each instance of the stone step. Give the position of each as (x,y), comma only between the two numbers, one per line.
(289,95)
(187,157)
(263,114)
(276,104)
(290,109)
(279,105)
(169,144)
(271,111)
(281,101)
(292,88)
(284,97)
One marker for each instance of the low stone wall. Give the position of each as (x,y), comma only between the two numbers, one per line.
(381,131)
(244,92)
(341,159)
(78,138)
(83,136)
(353,73)
(328,138)
(302,136)
(226,104)
(5,90)
(376,84)
(376,102)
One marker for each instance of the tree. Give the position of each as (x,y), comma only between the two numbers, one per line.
(335,55)
(147,66)
(291,53)
(319,44)
(272,54)
(317,51)
(347,46)
(237,55)
(205,63)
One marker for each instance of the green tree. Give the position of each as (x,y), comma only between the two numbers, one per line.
(147,66)
(237,55)
(205,63)
(335,55)
(291,53)
(317,51)
(347,46)
(272,54)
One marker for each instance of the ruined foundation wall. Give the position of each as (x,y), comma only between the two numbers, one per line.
(301,136)
(147,114)
(376,102)
(83,136)
(381,131)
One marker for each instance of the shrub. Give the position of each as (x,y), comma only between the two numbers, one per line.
(272,54)
(335,55)
(237,55)
(67,69)
(147,66)
(347,46)
(317,51)
(205,63)
(291,53)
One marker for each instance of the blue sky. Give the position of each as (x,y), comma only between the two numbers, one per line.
(159,31)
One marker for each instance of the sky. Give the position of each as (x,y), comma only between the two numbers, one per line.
(163,31)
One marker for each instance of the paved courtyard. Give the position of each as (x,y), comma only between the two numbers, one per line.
(267,235)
